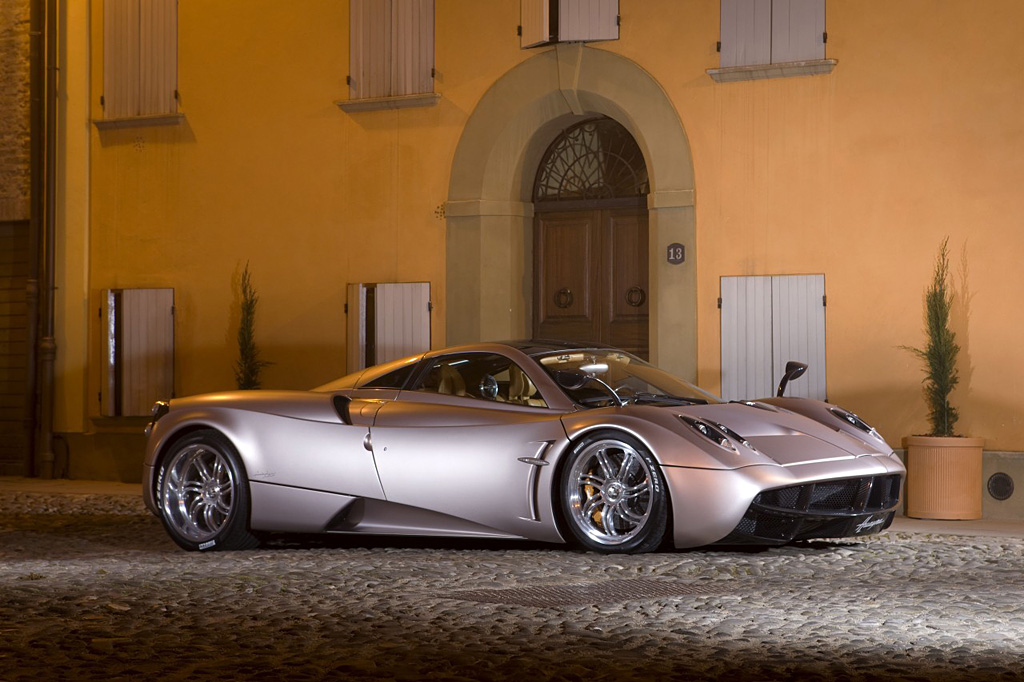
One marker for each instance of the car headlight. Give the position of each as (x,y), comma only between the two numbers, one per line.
(719,434)
(855,421)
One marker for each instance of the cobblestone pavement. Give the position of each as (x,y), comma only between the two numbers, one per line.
(92,589)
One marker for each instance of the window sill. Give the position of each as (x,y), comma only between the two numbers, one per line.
(138,121)
(426,99)
(732,74)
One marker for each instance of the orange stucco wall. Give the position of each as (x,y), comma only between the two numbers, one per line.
(859,174)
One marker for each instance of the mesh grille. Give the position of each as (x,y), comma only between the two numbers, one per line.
(828,509)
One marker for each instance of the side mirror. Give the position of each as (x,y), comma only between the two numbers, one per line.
(794,370)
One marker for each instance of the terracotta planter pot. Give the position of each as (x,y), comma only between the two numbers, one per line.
(943,477)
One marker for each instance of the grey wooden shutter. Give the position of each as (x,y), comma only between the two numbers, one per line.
(402,320)
(746,337)
(369,48)
(387,322)
(746,32)
(391,48)
(588,20)
(765,322)
(798,28)
(412,36)
(798,331)
(138,350)
(535,22)
(140,57)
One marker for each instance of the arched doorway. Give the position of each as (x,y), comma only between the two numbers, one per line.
(488,292)
(590,238)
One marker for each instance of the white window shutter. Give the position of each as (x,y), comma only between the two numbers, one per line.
(766,322)
(356,327)
(746,32)
(158,56)
(138,350)
(798,331)
(402,319)
(140,57)
(412,36)
(535,20)
(387,322)
(746,337)
(588,20)
(798,28)
(369,48)
(120,58)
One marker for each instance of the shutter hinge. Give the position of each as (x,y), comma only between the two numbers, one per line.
(177,95)
(519,31)
(719,302)
(346,308)
(348,80)
(433,72)
(103,101)
(824,36)
(430,306)
(718,46)
(824,301)
(618,20)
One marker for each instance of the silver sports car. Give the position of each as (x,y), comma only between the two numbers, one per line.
(540,440)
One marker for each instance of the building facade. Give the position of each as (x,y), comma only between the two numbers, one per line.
(793,185)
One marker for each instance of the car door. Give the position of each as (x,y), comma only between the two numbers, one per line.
(472,439)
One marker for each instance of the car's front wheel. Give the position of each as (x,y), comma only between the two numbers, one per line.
(203,494)
(613,495)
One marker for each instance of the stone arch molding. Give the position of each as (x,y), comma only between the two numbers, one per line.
(490,217)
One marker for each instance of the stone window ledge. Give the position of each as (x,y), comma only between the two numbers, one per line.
(138,121)
(732,74)
(427,99)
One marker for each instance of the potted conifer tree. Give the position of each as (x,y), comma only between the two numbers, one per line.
(944,470)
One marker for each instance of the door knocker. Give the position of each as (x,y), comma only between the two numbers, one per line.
(563,299)
(635,297)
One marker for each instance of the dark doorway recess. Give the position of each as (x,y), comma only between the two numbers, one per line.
(591,239)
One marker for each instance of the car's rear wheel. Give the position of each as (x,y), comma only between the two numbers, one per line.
(203,494)
(613,495)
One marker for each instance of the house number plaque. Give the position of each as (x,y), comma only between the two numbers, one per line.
(676,253)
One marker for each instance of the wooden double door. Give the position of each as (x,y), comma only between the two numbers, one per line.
(591,277)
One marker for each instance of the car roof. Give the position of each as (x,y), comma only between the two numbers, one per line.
(534,347)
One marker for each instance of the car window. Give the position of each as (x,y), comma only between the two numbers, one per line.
(483,376)
(394,379)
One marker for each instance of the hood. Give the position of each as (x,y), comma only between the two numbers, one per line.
(786,437)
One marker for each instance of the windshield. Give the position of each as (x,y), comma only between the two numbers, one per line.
(590,377)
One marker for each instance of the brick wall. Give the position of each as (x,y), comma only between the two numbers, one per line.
(15,214)
(14,110)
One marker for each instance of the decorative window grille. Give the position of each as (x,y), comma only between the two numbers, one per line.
(140,58)
(757,32)
(562,21)
(391,48)
(596,159)
(138,350)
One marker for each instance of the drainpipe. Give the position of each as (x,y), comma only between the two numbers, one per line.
(47,350)
(37,133)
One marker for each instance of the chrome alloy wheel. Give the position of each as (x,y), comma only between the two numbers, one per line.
(198,492)
(610,492)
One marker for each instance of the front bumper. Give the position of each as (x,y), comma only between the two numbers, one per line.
(826,509)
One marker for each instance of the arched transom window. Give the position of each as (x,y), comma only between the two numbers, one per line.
(593,160)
